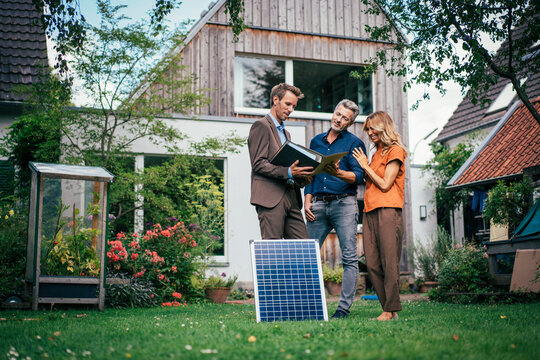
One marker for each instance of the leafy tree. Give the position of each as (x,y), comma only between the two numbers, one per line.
(64,22)
(445,163)
(112,63)
(36,135)
(448,43)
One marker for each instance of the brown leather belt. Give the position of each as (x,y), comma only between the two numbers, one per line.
(330,197)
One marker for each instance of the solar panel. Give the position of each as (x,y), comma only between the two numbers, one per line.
(288,280)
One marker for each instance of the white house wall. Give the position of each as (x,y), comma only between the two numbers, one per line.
(424,231)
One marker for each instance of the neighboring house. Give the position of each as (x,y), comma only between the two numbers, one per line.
(472,119)
(510,151)
(311,44)
(23,52)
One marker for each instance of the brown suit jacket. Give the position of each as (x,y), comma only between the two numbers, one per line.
(268,182)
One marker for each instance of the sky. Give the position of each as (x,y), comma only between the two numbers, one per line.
(431,114)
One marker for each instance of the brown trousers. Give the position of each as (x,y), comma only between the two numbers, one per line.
(383,235)
(283,221)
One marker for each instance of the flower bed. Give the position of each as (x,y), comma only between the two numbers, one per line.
(165,257)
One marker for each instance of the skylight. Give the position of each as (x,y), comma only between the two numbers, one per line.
(505,97)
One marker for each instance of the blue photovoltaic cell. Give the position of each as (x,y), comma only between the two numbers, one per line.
(287,277)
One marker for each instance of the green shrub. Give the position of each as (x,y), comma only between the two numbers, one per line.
(334,275)
(463,273)
(13,240)
(427,259)
(508,204)
(138,294)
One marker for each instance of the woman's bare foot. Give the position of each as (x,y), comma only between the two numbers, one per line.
(385,316)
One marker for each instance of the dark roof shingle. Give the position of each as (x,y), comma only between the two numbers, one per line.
(23,47)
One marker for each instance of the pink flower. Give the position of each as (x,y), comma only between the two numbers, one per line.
(174,269)
(166,233)
(160,277)
(134,256)
(459,246)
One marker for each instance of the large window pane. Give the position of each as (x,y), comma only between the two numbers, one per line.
(324,85)
(188,188)
(254,79)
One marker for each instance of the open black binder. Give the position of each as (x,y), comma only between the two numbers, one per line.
(290,152)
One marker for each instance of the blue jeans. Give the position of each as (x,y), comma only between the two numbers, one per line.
(341,215)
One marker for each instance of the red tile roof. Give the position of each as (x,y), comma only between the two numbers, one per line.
(468,116)
(22,46)
(515,146)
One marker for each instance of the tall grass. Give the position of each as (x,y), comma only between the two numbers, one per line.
(425,330)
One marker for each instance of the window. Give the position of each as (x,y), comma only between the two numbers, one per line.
(190,189)
(323,84)
(254,79)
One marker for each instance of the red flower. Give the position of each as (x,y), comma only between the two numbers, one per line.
(166,233)
(160,277)
(174,269)
(134,256)
(176,295)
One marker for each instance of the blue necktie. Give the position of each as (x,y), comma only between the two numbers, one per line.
(282,136)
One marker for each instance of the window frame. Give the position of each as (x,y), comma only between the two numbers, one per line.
(289,76)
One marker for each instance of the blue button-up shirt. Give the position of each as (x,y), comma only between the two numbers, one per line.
(328,184)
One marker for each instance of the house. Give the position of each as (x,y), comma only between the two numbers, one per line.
(510,151)
(311,44)
(23,53)
(473,119)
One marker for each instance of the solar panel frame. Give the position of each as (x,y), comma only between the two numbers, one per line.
(288,298)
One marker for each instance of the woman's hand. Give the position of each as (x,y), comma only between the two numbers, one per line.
(362,159)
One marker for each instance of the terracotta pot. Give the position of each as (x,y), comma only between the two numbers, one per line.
(333,288)
(218,294)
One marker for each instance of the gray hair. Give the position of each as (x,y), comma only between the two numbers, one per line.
(351,105)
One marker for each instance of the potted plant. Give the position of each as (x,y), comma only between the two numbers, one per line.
(218,287)
(332,279)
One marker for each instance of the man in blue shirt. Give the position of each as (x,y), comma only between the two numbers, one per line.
(330,199)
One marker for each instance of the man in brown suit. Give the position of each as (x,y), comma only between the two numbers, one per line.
(275,190)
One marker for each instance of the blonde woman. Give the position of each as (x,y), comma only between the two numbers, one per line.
(383,201)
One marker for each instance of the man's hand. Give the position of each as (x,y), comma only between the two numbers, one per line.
(332,169)
(307,210)
(300,171)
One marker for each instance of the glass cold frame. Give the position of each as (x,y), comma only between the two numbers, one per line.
(324,84)
(254,79)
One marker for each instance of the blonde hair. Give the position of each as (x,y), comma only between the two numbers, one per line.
(381,122)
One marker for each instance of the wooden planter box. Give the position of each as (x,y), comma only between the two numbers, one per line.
(69,290)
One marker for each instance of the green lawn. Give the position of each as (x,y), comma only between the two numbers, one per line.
(425,330)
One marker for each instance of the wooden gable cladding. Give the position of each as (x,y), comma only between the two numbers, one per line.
(330,17)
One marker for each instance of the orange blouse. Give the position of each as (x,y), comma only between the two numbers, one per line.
(374,197)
